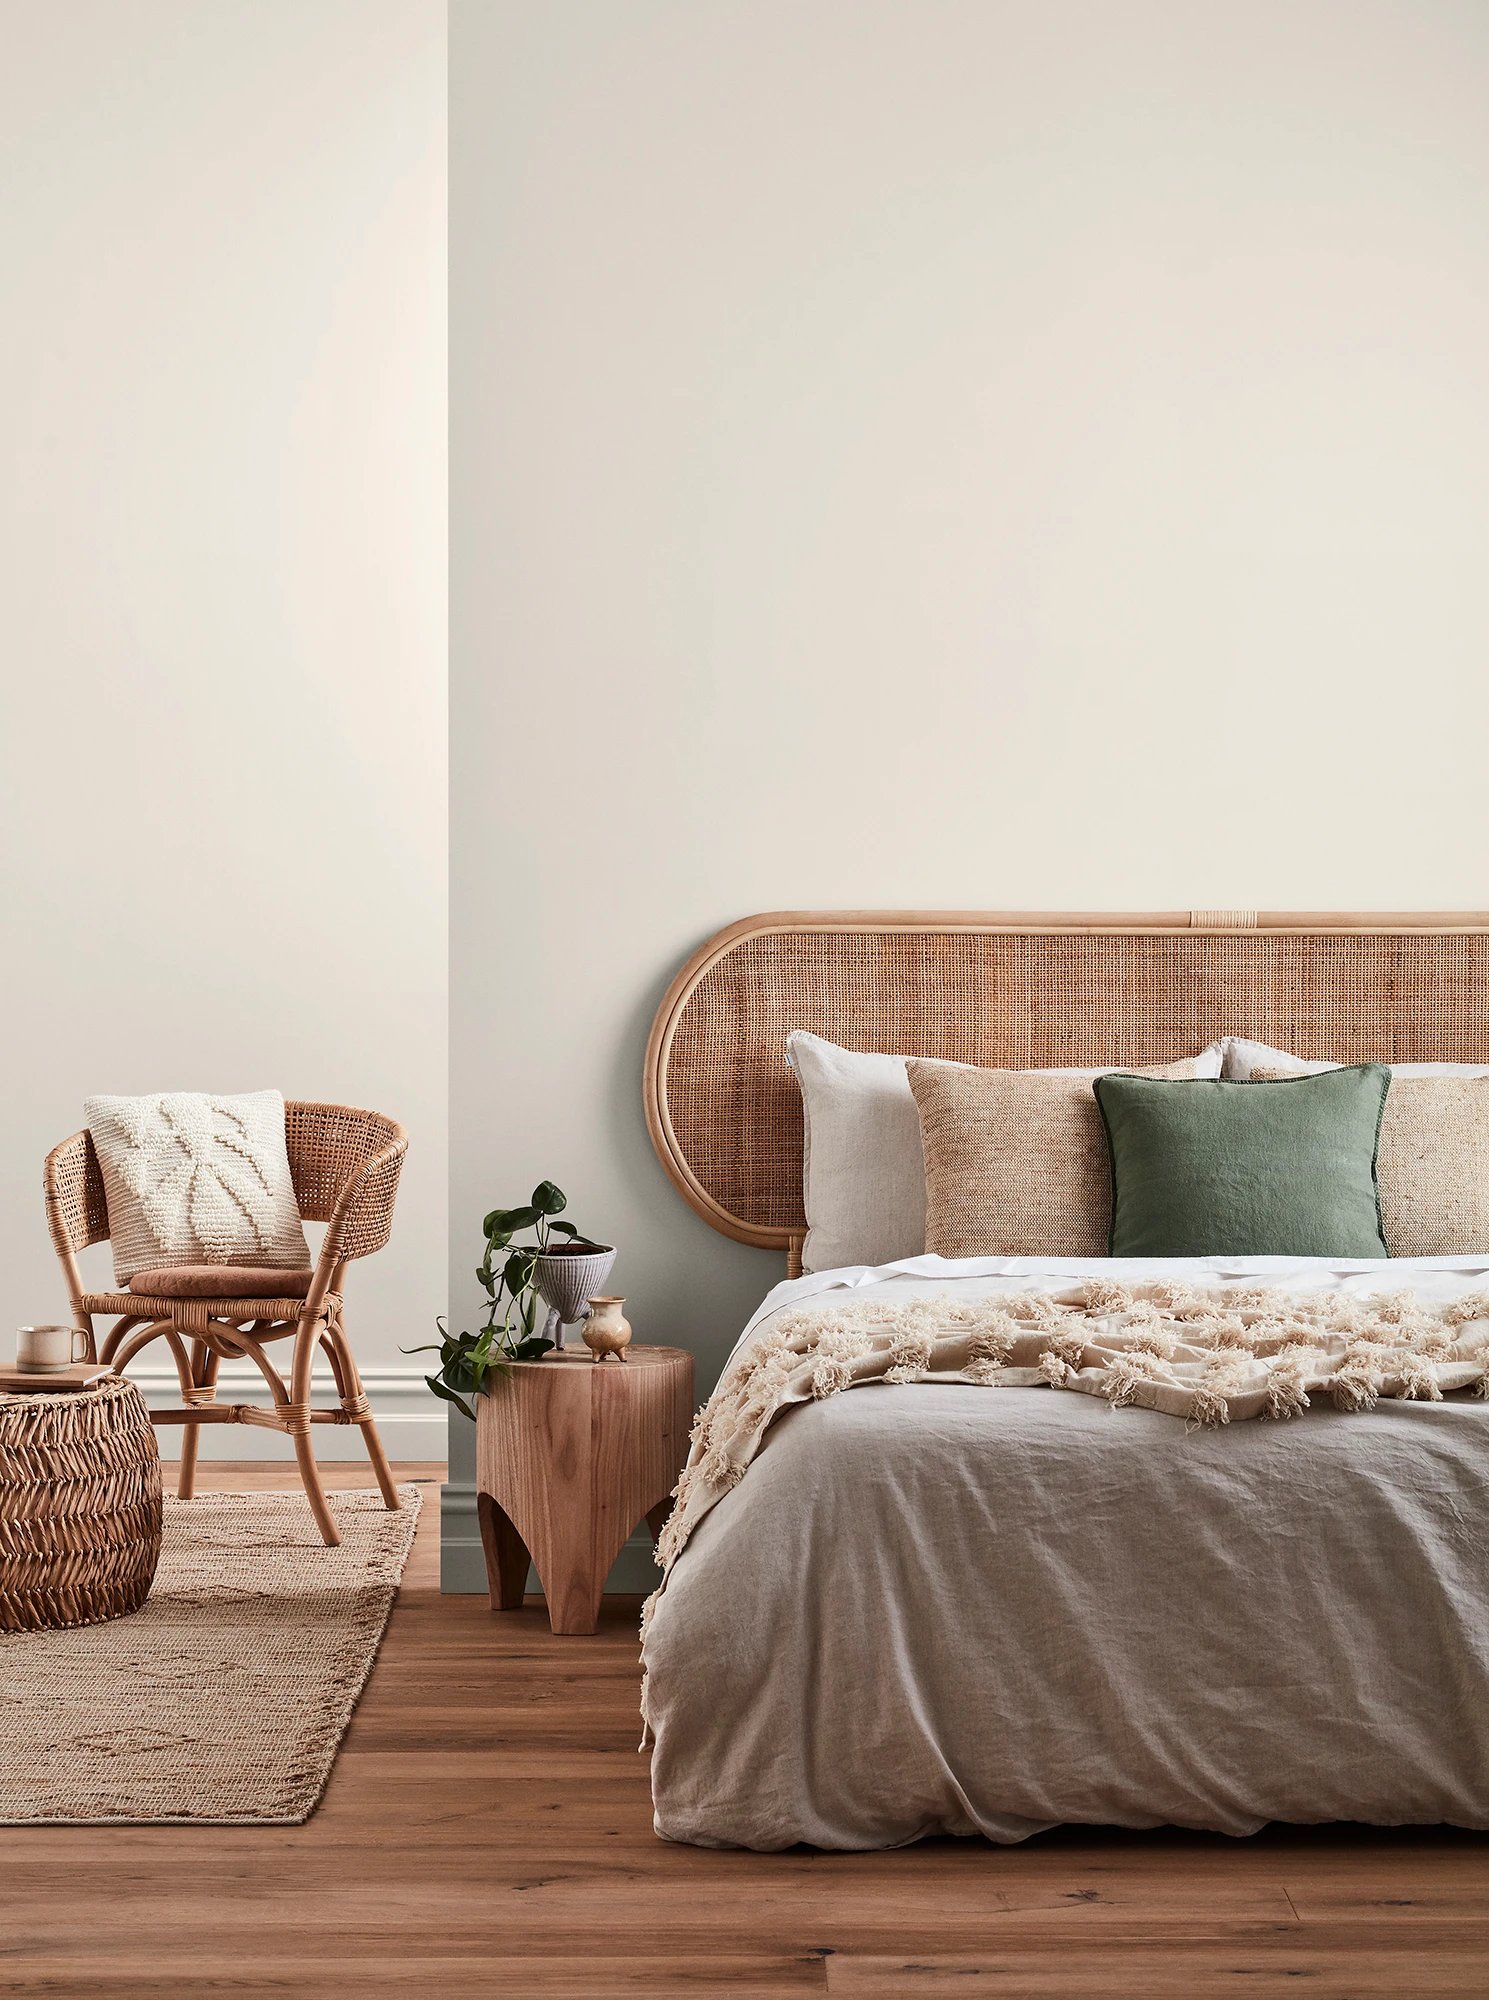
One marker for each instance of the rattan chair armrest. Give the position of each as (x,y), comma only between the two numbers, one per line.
(362,1220)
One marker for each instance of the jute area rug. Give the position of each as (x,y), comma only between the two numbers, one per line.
(225,1698)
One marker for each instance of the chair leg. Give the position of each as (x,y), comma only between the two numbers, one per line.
(186,1476)
(300,1428)
(204,1364)
(380,1465)
(315,1493)
(349,1383)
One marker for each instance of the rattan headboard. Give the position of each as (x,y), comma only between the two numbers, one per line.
(1025,991)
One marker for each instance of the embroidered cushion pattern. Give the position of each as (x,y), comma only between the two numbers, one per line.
(197,1179)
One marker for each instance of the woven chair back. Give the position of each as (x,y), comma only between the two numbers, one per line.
(328,1147)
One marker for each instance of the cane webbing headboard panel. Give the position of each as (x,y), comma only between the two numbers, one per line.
(1024,991)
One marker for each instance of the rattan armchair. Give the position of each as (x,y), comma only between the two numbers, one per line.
(345,1166)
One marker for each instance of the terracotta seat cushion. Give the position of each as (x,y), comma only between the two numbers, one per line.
(220,1281)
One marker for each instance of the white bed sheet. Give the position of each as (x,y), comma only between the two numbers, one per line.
(937,1608)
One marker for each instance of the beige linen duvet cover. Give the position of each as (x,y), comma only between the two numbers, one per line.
(939,1607)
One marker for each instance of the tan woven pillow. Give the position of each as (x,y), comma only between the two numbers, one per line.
(1015,1161)
(1432,1164)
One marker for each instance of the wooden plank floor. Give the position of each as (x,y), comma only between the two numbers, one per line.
(488,1831)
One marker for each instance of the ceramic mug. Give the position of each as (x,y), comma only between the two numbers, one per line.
(39,1349)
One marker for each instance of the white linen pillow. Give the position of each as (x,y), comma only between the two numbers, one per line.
(863,1167)
(1241,1057)
(197,1179)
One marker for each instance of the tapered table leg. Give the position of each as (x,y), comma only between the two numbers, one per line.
(506,1556)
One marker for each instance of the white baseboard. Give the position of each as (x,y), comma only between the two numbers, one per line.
(462,1567)
(412,1424)
(410,1421)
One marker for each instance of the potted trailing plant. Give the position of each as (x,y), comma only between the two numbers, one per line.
(513,1277)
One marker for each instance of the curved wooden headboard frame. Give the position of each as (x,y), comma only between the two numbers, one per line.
(1380,989)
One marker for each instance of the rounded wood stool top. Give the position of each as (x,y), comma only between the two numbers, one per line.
(643,1357)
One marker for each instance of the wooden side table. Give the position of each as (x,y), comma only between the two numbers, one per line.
(570,1454)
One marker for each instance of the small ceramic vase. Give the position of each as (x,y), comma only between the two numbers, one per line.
(565,1279)
(607,1330)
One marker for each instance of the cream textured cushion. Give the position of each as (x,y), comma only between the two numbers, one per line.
(1241,1059)
(863,1170)
(1432,1162)
(1016,1161)
(193,1179)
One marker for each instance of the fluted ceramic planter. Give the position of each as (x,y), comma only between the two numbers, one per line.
(566,1279)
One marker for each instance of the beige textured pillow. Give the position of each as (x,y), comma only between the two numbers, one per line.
(1432,1164)
(1015,1161)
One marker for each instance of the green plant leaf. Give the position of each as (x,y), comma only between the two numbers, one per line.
(529,1350)
(562,1229)
(505,1222)
(448,1342)
(449,1396)
(518,1270)
(548,1199)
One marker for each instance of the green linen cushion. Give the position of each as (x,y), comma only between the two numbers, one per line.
(1233,1169)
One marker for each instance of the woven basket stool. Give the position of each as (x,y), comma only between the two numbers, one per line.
(79,1506)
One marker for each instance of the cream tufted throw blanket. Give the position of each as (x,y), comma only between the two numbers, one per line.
(1207,1358)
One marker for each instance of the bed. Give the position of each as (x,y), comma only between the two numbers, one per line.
(928,1606)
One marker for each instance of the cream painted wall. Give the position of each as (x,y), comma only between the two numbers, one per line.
(939,453)
(222,591)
